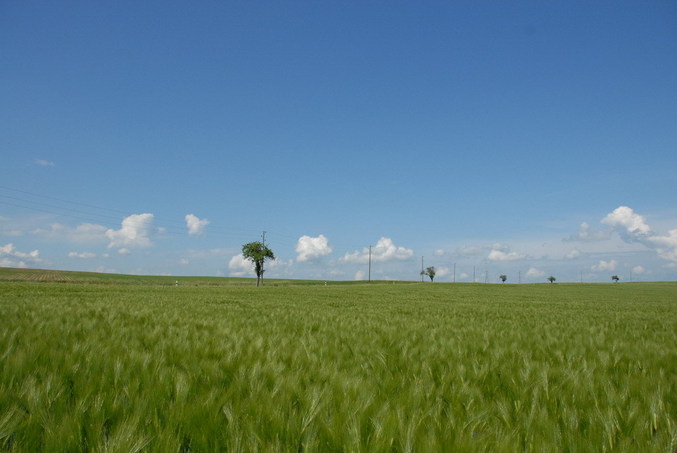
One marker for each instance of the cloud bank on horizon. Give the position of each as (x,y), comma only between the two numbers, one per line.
(316,258)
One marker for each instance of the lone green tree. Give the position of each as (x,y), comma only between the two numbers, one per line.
(257,253)
(430,272)
(615,278)
(503,277)
(552,279)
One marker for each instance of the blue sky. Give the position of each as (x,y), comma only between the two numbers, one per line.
(520,138)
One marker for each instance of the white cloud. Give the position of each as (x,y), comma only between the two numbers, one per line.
(439,252)
(384,250)
(11,257)
(463,276)
(605,266)
(585,235)
(499,253)
(82,255)
(359,275)
(88,231)
(136,231)
(638,270)
(196,226)
(278,264)
(632,227)
(239,266)
(124,251)
(310,248)
(575,253)
(43,163)
(533,272)
(631,223)
(442,271)
(666,246)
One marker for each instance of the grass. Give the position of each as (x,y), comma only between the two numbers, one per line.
(142,365)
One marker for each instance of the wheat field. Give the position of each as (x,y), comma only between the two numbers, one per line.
(150,366)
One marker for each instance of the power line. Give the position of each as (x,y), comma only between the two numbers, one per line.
(60,207)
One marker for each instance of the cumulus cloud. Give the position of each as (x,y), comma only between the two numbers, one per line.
(500,253)
(196,226)
(384,250)
(442,271)
(136,231)
(11,257)
(81,255)
(533,272)
(239,266)
(605,266)
(310,248)
(632,227)
(624,220)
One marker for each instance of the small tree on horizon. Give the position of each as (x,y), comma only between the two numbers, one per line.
(257,253)
(615,278)
(552,279)
(503,277)
(430,272)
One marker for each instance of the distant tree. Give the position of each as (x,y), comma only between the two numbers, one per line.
(430,272)
(551,279)
(503,277)
(257,253)
(615,278)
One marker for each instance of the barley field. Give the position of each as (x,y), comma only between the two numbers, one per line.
(135,365)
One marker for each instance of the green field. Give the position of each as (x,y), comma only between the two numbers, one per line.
(90,362)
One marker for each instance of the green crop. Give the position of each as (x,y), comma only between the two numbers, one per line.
(110,366)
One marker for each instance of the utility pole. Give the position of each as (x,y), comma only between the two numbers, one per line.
(370,263)
(263,239)
(519,277)
(421,269)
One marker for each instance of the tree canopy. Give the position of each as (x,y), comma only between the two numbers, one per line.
(257,253)
(430,272)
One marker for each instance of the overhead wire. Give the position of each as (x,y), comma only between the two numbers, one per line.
(61,209)
(92,213)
